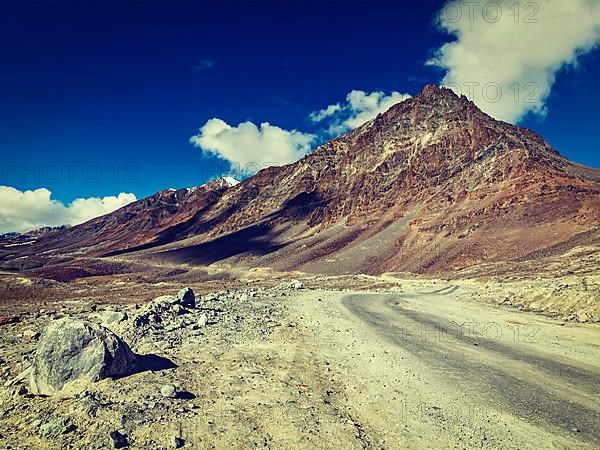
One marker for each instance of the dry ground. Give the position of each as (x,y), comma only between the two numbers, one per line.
(345,362)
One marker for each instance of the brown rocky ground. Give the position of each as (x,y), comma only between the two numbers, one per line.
(562,284)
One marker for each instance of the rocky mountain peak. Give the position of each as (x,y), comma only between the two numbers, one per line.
(432,90)
(221,183)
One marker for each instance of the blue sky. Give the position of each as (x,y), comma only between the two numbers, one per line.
(115,90)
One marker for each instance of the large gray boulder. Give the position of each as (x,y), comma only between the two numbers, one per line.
(77,350)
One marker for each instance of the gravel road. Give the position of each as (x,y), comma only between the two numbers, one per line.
(431,369)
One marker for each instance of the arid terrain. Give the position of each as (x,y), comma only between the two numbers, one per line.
(292,360)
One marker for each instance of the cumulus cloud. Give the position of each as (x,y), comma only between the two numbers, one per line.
(27,210)
(359,108)
(506,53)
(250,148)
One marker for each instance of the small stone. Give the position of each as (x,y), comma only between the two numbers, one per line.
(169,391)
(69,428)
(295,284)
(179,310)
(140,320)
(187,298)
(161,303)
(31,335)
(119,440)
(22,376)
(22,391)
(176,442)
(108,317)
(54,427)
(202,320)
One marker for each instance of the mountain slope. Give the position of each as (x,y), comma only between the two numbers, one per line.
(137,224)
(432,184)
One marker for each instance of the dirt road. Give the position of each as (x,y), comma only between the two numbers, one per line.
(419,366)
(427,369)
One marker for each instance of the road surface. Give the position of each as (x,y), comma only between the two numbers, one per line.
(430,369)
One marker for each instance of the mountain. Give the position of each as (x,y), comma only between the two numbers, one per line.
(133,225)
(433,184)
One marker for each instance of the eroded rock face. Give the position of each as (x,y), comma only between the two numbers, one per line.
(71,349)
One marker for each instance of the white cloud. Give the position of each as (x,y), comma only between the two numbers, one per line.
(515,46)
(359,108)
(250,148)
(331,110)
(28,210)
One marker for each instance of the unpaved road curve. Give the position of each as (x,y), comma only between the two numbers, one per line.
(427,369)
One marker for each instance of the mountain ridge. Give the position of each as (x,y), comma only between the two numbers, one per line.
(432,184)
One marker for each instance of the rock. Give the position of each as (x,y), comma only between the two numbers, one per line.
(295,284)
(169,391)
(146,318)
(163,308)
(187,298)
(202,320)
(71,349)
(582,317)
(108,317)
(119,440)
(179,310)
(21,390)
(30,335)
(22,376)
(56,427)
(176,442)
(140,320)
